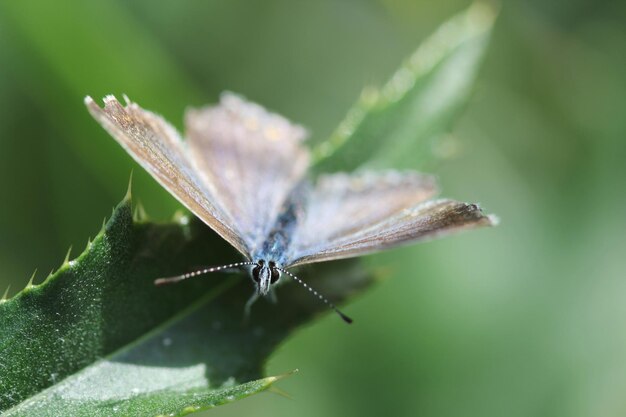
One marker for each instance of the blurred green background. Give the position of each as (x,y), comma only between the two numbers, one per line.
(528,319)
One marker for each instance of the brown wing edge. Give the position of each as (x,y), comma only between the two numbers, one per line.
(427,221)
(124,123)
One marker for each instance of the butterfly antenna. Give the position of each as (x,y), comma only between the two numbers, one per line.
(178,278)
(318,295)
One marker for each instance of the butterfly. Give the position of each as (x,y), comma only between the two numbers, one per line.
(243,171)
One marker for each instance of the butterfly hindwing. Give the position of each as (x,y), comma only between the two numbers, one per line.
(353,215)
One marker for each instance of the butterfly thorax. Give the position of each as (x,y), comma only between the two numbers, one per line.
(275,245)
(274,248)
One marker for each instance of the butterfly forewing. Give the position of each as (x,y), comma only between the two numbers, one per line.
(411,224)
(251,158)
(157,147)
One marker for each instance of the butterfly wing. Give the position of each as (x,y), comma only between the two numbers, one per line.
(157,147)
(252,159)
(347,216)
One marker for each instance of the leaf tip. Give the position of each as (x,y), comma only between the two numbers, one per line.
(267,383)
(272,379)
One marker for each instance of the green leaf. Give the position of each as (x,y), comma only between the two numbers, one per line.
(97,338)
(400,125)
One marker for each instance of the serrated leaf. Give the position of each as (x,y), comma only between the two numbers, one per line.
(401,124)
(97,338)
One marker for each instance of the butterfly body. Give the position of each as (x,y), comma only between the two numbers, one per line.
(273,250)
(243,171)
(276,245)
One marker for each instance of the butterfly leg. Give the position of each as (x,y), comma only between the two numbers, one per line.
(247,309)
(272,296)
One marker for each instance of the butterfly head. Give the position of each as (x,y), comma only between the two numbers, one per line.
(264,274)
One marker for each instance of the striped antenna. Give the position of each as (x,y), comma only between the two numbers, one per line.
(178,278)
(318,295)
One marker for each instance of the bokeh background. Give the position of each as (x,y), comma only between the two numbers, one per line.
(527,319)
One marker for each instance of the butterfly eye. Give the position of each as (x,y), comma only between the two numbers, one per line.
(255,273)
(275,275)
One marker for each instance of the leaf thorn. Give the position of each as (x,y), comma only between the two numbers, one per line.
(66,261)
(32,278)
(275,390)
(129,190)
(285,375)
(140,212)
(5,296)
